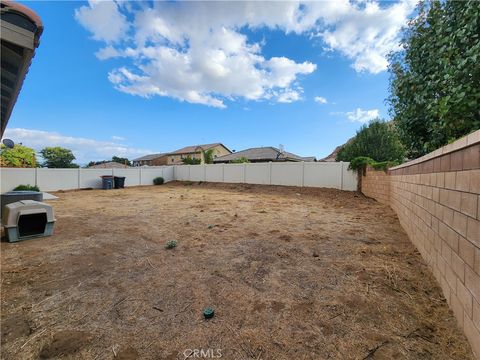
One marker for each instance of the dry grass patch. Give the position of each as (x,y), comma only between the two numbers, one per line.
(292,273)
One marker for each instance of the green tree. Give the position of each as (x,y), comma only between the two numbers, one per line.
(18,156)
(190,161)
(435,79)
(378,140)
(240,160)
(208,156)
(121,160)
(58,157)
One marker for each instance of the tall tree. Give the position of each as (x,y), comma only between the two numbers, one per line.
(18,156)
(121,160)
(378,140)
(208,156)
(58,157)
(435,79)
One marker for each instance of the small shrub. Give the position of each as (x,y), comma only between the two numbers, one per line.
(171,244)
(27,188)
(158,180)
(240,160)
(360,162)
(384,165)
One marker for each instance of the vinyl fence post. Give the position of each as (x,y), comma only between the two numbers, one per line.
(189,178)
(270,173)
(341,175)
(140,174)
(204,172)
(78,178)
(223,172)
(36,177)
(303,173)
(244,172)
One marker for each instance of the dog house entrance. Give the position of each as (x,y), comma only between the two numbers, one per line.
(32,224)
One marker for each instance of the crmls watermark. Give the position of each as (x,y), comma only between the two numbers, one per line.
(202,354)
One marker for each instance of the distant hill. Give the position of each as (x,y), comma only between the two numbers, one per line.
(334,153)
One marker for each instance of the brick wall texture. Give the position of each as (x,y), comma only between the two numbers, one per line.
(437,200)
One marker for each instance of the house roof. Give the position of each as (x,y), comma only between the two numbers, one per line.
(268,153)
(196,148)
(20,33)
(109,165)
(150,157)
(185,150)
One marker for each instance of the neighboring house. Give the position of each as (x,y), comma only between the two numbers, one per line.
(263,154)
(151,160)
(109,165)
(176,157)
(196,152)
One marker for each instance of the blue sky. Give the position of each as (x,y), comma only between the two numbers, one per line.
(129,78)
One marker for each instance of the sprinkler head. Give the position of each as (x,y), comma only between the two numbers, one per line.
(208,313)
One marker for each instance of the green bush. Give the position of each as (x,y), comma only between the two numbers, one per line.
(378,140)
(240,160)
(171,244)
(27,188)
(191,161)
(384,165)
(361,163)
(158,180)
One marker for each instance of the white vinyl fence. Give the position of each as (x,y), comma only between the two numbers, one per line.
(312,174)
(69,179)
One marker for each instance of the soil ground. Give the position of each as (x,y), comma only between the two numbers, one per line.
(292,273)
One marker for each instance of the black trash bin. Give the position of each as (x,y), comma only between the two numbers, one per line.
(107,182)
(119,182)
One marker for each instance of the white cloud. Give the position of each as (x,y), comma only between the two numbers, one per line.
(320,99)
(362,116)
(367,33)
(288,96)
(84,149)
(118,138)
(104,19)
(196,51)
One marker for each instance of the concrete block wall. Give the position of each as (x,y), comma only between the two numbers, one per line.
(437,200)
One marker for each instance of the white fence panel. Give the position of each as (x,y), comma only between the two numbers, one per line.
(257,173)
(91,178)
(10,178)
(350,181)
(233,173)
(197,172)
(332,175)
(132,176)
(323,175)
(148,174)
(168,173)
(182,172)
(214,173)
(57,179)
(288,173)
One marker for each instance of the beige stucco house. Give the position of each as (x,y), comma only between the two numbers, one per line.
(176,157)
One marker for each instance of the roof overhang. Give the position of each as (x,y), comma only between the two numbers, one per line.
(20,33)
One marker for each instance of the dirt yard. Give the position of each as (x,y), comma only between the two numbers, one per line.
(292,273)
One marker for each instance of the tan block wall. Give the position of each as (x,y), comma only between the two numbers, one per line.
(440,212)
